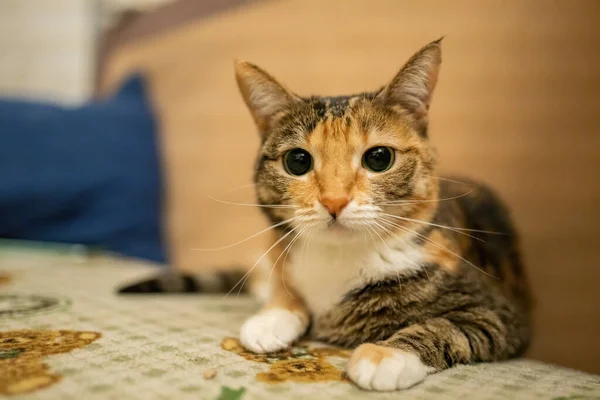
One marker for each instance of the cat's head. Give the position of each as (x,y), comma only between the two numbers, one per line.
(350,165)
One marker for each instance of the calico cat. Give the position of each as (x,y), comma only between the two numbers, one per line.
(374,251)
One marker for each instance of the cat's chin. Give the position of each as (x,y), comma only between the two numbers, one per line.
(337,232)
(338,229)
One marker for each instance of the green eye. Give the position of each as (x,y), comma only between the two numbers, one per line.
(378,159)
(297,162)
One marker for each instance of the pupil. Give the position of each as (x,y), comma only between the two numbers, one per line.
(298,162)
(378,159)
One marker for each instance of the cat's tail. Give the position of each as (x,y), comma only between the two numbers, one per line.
(185,282)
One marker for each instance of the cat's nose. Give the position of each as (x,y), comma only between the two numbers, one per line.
(335,205)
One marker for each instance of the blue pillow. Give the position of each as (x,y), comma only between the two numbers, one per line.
(88,175)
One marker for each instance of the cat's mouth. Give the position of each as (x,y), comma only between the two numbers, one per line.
(336,226)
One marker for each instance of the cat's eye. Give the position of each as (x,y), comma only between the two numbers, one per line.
(378,159)
(297,162)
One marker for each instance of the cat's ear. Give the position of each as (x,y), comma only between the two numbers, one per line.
(412,88)
(264,96)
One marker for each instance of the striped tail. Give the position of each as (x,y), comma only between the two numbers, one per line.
(183,282)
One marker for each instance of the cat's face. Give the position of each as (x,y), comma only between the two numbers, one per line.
(346,166)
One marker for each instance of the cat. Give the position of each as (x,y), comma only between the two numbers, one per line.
(373,251)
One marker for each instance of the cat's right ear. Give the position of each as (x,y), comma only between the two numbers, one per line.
(264,96)
(412,88)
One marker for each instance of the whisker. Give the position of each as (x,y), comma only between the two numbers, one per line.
(282,252)
(456,230)
(269,279)
(304,244)
(425,238)
(251,204)
(452,180)
(285,259)
(387,231)
(383,241)
(309,236)
(300,257)
(405,202)
(405,242)
(372,237)
(451,228)
(287,221)
(247,274)
(237,188)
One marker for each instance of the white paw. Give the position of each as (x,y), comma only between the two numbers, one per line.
(271,330)
(380,368)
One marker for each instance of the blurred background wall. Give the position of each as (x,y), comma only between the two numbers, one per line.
(517,106)
(48,47)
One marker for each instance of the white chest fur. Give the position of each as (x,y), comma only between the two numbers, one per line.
(323,273)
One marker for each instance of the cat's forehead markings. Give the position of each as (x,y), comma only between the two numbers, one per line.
(337,106)
(332,107)
(338,116)
(332,137)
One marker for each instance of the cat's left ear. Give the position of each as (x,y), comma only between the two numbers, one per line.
(264,96)
(412,88)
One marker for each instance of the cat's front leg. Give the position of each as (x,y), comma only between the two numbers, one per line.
(282,321)
(408,356)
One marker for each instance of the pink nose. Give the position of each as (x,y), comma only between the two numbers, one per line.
(335,205)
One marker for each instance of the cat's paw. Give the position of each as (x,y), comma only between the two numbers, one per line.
(271,330)
(380,368)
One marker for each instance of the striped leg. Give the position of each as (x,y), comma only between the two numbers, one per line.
(407,357)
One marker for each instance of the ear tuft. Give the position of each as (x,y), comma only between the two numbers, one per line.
(264,96)
(412,88)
